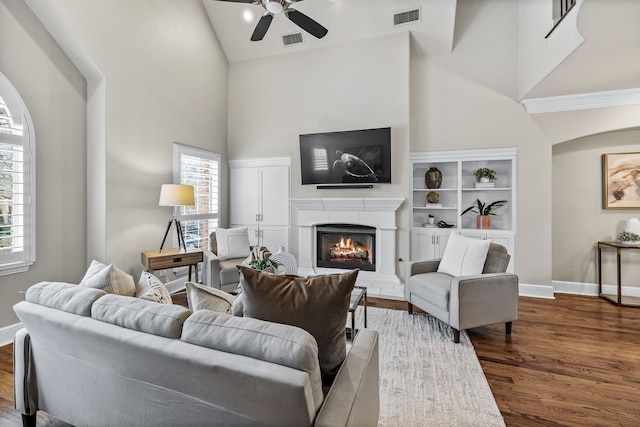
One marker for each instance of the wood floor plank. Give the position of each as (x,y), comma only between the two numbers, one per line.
(571,361)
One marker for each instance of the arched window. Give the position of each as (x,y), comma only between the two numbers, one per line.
(17,182)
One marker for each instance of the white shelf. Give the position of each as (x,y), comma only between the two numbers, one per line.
(458,193)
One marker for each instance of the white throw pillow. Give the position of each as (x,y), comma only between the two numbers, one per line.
(109,278)
(200,297)
(233,243)
(464,256)
(151,288)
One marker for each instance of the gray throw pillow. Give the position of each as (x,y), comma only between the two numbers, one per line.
(318,304)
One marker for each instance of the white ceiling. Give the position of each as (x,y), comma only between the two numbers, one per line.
(346,20)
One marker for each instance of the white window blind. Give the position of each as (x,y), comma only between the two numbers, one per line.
(201,169)
(17,183)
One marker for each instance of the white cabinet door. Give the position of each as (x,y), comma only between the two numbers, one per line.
(421,244)
(428,243)
(274,195)
(274,236)
(244,195)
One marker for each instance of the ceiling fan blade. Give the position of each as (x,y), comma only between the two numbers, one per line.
(306,23)
(262,27)
(240,1)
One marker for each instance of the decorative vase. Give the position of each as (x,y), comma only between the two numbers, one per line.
(483,222)
(286,262)
(433,178)
(432,197)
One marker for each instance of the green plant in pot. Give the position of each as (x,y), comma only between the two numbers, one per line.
(264,265)
(628,238)
(484,210)
(484,175)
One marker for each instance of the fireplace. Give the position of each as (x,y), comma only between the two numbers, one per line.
(346,246)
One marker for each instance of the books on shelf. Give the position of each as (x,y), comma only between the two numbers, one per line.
(485,184)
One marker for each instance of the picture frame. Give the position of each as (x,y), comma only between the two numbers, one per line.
(621,181)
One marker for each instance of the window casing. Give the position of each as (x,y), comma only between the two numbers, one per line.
(17,182)
(201,169)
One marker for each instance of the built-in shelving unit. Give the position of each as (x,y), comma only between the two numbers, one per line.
(458,191)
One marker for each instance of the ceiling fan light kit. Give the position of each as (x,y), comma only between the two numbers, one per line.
(282,6)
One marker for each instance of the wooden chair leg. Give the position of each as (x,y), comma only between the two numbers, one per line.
(410,308)
(508,327)
(456,336)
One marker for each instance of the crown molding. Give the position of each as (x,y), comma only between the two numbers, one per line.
(582,101)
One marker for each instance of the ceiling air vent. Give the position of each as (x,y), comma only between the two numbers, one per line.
(406,17)
(291,39)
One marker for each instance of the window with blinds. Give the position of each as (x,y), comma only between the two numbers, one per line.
(201,169)
(17,183)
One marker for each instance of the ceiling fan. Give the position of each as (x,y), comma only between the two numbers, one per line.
(274,7)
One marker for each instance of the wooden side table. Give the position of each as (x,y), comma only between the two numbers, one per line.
(171,258)
(617,299)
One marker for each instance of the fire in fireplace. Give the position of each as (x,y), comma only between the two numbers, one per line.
(346,246)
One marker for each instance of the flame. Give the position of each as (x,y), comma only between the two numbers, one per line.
(346,246)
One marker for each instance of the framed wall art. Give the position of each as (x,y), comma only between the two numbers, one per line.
(621,181)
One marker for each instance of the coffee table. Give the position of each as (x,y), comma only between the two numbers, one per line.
(358,296)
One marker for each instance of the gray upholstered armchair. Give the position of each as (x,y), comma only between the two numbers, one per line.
(217,273)
(466,301)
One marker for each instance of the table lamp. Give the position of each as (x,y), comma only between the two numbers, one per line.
(176,195)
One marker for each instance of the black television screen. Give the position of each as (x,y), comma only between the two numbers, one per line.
(349,157)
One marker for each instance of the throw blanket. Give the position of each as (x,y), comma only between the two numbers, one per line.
(257,252)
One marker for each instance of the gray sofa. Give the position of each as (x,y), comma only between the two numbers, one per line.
(95,359)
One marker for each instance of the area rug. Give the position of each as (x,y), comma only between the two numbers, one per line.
(425,378)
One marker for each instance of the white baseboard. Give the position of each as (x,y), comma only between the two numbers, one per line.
(536,291)
(591,289)
(7,333)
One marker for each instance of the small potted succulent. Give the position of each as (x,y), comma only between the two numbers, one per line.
(484,175)
(483,210)
(627,238)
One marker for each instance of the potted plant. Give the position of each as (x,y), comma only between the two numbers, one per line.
(483,211)
(264,265)
(484,175)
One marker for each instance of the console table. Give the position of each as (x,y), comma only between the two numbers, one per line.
(617,299)
(171,258)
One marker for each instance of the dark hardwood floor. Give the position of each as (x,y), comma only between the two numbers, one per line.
(572,361)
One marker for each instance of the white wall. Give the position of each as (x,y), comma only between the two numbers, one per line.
(351,86)
(579,221)
(166,81)
(54,92)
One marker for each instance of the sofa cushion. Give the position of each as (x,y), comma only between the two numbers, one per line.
(109,278)
(151,288)
(317,304)
(271,342)
(464,256)
(164,320)
(432,287)
(64,296)
(200,297)
(233,242)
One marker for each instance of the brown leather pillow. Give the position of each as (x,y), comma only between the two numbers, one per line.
(316,304)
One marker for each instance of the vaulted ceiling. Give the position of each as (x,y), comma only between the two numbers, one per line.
(346,20)
(607,60)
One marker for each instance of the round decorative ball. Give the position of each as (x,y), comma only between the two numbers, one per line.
(433,178)
(433,197)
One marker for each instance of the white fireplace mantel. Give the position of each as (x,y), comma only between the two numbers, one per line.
(376,212)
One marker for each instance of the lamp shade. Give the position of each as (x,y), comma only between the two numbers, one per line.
(176,195)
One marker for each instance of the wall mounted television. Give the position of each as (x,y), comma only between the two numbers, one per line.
(349,158)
